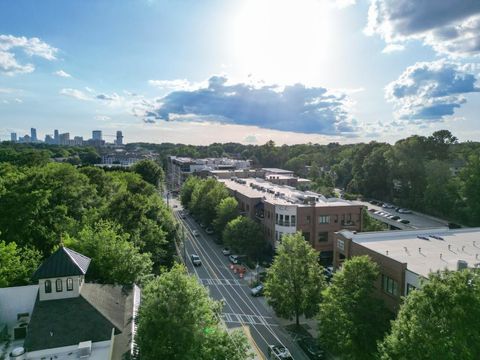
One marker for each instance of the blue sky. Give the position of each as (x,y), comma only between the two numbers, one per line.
(241,70)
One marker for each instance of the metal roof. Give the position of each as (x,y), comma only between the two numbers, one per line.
(63,262)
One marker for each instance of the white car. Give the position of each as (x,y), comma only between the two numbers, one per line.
(278,352)
(234,259)
(195,260)
(195,233)
(226,251)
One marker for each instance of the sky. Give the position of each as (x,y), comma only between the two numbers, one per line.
(248,71)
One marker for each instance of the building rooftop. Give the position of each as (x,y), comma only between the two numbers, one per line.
(426,250)
(280,194)
(63,262)
(91,316)
(278,171)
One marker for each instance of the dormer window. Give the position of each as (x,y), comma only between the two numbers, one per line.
(48,286)
(69,284)
(58,285)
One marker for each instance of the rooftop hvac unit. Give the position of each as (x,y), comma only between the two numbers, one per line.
(462,264)
(84,349)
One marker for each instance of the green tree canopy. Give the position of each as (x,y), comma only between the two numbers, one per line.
(295,280)
(351,319)
(179,321)
(245,237)
(114,258)
(439,321)
(17,265)
(226,211)
(150,171)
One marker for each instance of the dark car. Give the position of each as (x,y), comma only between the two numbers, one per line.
(403,221)
(311,349)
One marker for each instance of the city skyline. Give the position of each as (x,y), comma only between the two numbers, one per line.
(242,71)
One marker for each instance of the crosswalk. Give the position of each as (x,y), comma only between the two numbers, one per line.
(231,282)
(247,319)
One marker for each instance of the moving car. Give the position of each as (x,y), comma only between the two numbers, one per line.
(195,260)
(278,352)
(195,233)
(226,251)
(311,349)
(257,290)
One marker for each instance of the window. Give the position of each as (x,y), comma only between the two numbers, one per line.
(48,286)
(69,284)
(280,222)
(276,219)
(410,288)
(306,235)
(248,207)
(308,219)
(287,220)
(336,219)
(58,285)
(324,219)
(389,285)
(322,236)
(293,220)
(268,214)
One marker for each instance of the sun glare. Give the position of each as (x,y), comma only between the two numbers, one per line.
(282,41)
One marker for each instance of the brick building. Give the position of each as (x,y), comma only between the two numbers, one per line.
(285,210)
(406,258)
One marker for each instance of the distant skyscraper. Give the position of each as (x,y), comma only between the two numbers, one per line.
(64,139)
(55,137)
(119,138)
(49,139)
(13,137)
(33,135)
(97,135)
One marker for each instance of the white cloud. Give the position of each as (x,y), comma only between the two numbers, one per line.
(172,85)
(431,91)
(390,48)
(75,93)
(341,4)
(10,66)
(102,117)
(18,100)
(29,46)
(450,26)
(62,73)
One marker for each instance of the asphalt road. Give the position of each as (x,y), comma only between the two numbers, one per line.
(241,309)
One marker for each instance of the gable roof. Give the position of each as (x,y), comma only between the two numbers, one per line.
(63,262)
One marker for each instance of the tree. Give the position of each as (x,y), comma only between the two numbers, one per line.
(351,319)
(226,211)
(295,280)
(371,224)
(16,264)
(179,321)
(438,321)
(114,258)
(187,190)
(471,179)
(150,171)
(245,236)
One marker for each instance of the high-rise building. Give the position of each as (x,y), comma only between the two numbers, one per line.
(33,135)
(64,139)
(49,139)
(97,135)
(55,137)
(119,140)
(13,137)
(78,140)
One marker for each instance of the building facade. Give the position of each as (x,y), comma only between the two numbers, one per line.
(406,258)
(285,210)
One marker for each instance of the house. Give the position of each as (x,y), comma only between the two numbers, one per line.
(68,318)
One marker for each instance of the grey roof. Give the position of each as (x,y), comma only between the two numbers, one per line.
(91,316)
(63,262)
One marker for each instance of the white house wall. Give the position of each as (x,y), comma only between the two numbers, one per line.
(15,300)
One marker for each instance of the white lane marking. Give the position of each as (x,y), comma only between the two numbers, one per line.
(247,319)
(220,282)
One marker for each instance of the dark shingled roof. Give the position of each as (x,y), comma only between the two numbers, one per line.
(91,316)
(63,262)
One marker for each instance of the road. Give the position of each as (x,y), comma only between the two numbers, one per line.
(241,309)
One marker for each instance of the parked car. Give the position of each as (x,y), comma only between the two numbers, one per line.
(195,260)
(373,202)
(403,221)
(388,206)
(183,215)
(372,210)
(395,217)
(311,349)
(202,225)
(257,290)
(454,226)
(404,211)
(234,259)
(226,251)
(278,352)
(195,233)
(328,272)
(209,231)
